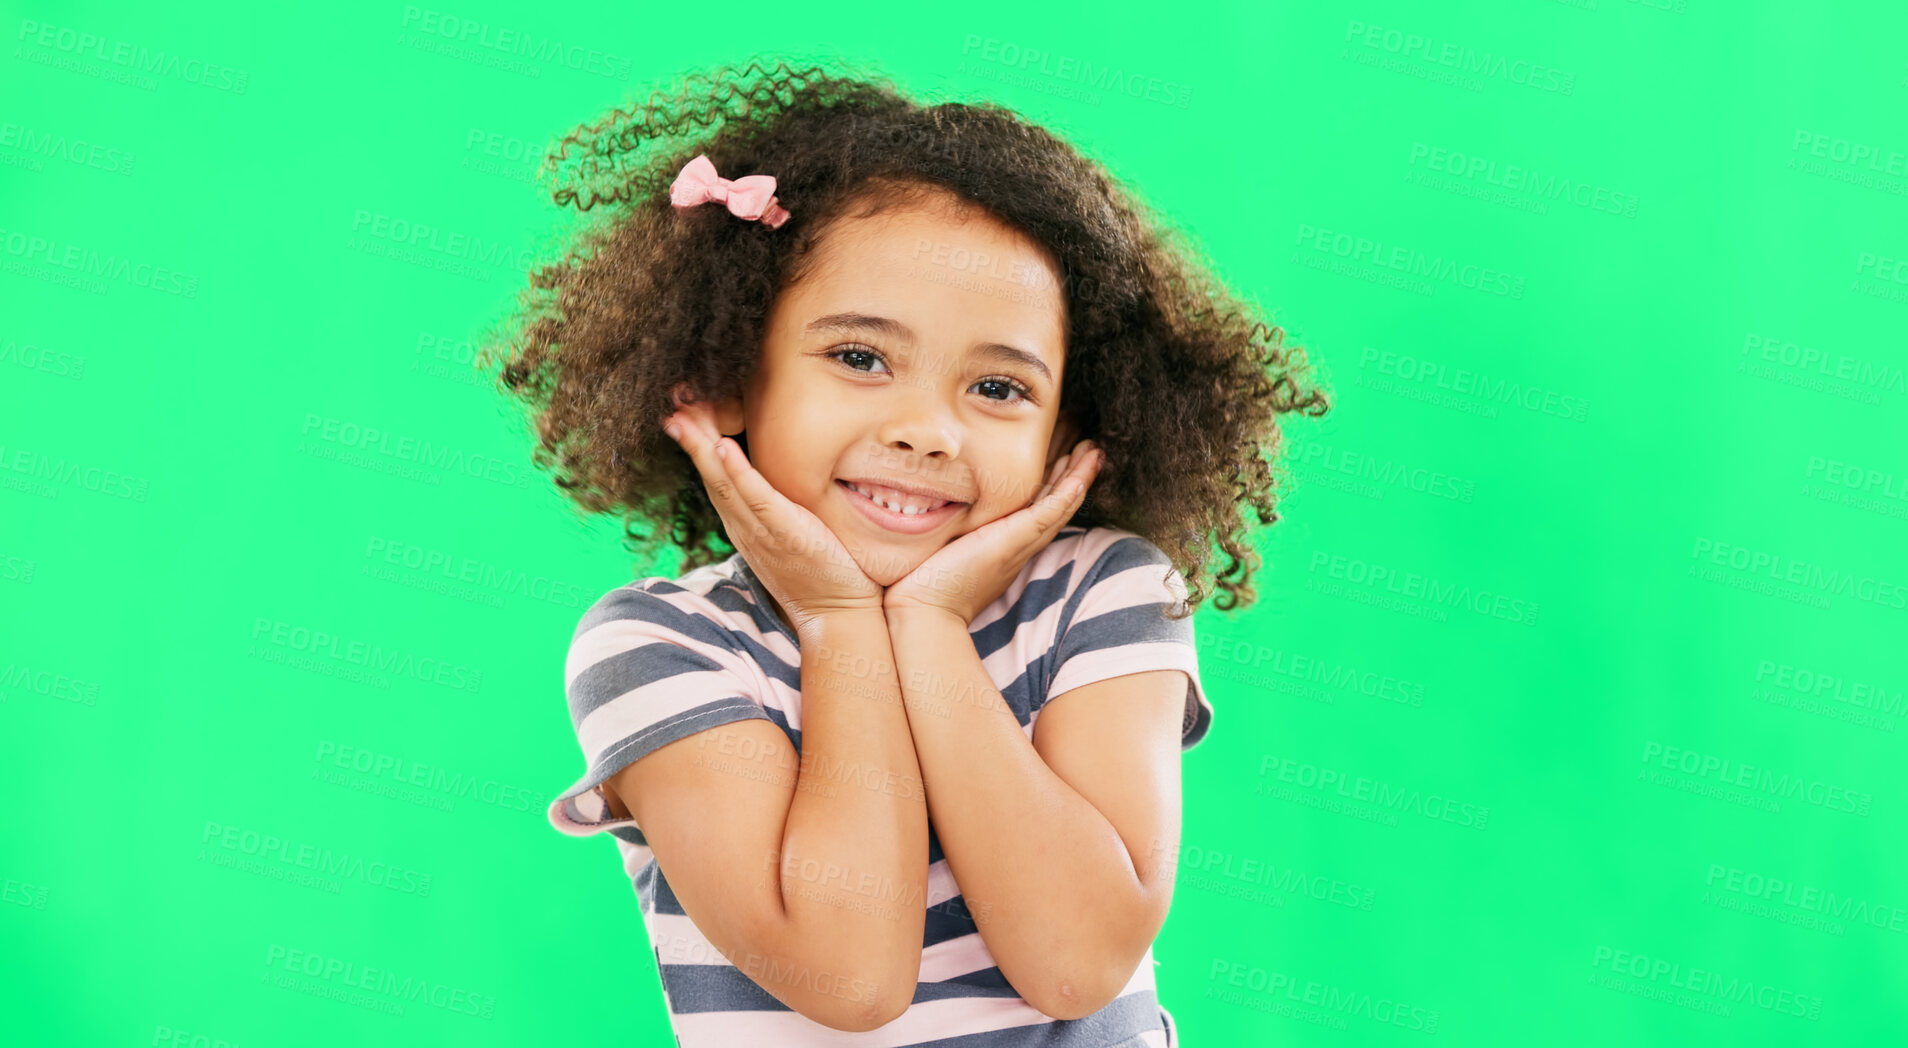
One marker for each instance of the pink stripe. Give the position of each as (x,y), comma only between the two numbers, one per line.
(652,707)
(923,1022)
(677,940)
(1118,662)
(616,636)
(946,960)
(1012,658)
(927,1021)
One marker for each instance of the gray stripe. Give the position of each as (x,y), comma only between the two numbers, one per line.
(1118,1025)
(1201,718)
(1139,624)
(655,736)
(696,988)
(640,744)
(635,602)
(1035,599)
(714,988)
(758,606)
(947,919)
(744,596)
(701,988)
(661,659)
(988,982)
(1146,623)
(625,671)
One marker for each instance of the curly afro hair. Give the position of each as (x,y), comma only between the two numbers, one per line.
(1179,383)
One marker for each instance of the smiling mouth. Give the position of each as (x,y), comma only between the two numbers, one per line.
(901,521)
(921,510)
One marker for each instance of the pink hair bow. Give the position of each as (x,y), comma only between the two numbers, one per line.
(751,196)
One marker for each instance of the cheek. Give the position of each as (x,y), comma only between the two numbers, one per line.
(788,442)
(780,461)
(1015,483)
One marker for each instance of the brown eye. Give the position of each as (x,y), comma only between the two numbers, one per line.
(857,352)
(1010,385)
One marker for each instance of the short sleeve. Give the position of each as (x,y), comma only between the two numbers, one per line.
(643,670)
(1116,624)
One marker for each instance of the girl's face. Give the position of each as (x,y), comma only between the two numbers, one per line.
(920,351)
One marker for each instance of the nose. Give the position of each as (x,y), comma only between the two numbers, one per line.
(920,424)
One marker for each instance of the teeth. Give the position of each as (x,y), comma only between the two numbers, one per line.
(895,502)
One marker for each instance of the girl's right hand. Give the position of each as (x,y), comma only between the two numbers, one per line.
(800,561)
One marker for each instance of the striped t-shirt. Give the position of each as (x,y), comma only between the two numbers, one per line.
(656,660)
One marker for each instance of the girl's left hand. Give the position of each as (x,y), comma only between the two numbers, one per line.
(972,572)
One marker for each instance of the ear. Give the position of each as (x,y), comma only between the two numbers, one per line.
(1066,433)
(729,417)
(728,412)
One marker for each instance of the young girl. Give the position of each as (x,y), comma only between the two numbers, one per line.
(896,761)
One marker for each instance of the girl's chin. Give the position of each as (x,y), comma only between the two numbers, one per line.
(888,558)
(887,561)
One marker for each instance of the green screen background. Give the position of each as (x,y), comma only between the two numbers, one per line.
(1580,638)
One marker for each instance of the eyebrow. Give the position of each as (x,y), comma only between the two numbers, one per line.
(896,330)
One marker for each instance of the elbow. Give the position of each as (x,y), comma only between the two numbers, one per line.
(1067,1001)
(1077,998)
(1077,990)
(858,1005)
(871,1017)
(852,991)
(1105,957)
(863,1010)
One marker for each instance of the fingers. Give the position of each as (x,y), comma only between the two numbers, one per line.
(1053,474)
(695,432)
(1079,469)
(1066,488)
(754,488)
(720,463)
(747,502)
(697,416)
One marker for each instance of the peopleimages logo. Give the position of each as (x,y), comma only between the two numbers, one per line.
(392,990)
(1753,885)
(1464,59)
(1439,593)
(1224,652)
(1380,470)
(511,43)
(1823,581)
(130,57)
(1865,374)
(225,843)
(40,145)
(324,430)
(1079,71)
(1781,785)
(1484,386)
(1405,262)
(85,262)
(425,236)
(1262,872)
(1373,791)
(1333,1000)
(1884,160)
(327,652)
(1698,981)
(1833,686)
(405,771)
(1517,178)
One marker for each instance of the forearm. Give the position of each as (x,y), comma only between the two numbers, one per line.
(1057,886)
(853,865)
